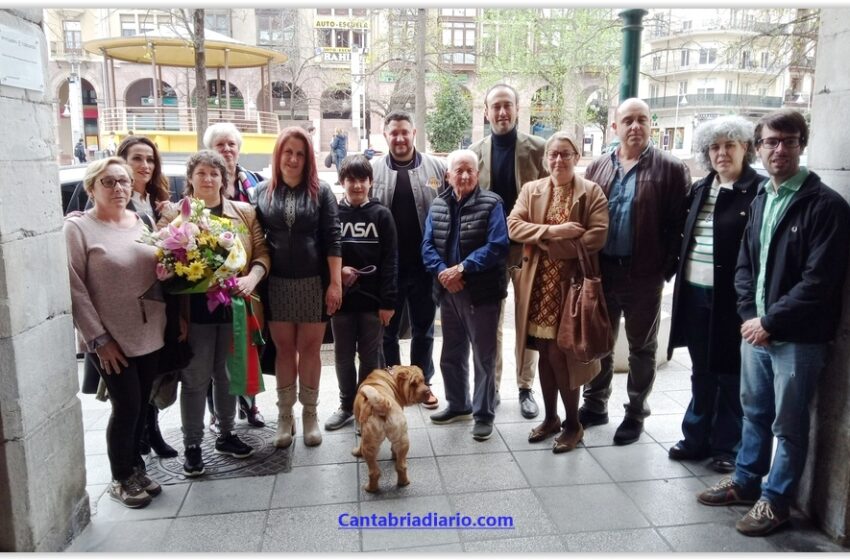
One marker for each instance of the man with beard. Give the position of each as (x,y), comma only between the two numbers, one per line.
(406,182)
(646,189)
(507,159)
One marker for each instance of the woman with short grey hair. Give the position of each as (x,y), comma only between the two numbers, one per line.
(705,317)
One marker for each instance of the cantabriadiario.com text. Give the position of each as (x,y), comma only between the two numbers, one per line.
(430,520)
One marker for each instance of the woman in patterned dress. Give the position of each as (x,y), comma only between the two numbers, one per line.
(549,216)
(300,217)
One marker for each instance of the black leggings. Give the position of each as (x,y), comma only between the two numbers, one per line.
(129,392)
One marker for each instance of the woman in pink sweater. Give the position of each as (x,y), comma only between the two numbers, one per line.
(119,313)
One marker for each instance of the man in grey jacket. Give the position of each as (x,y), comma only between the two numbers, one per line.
(406,182)
(507,159)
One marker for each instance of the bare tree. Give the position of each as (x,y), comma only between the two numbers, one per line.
(200,75)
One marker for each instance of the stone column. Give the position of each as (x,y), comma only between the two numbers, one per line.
(825,489)
(43,498)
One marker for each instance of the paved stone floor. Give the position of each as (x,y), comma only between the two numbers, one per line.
(598,498)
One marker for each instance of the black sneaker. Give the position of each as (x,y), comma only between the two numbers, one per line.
(447,416)
(194,463)
(129,493)
(482,430)
(588,418)
(230,444)
(148,484)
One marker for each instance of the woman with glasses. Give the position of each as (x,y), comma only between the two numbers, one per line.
(118,315)
(549,217)
(705,318)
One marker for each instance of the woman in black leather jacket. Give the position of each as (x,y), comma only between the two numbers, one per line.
(299,215)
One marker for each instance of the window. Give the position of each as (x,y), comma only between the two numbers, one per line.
(687,25)
(358,38)
(459,36)
(653,91)
(276,27)
(457,12)
(765,59)
(325,38)
(746,60)
(763,92)
(683,88)
(128,25)
(656,62)
(707,56)
(685,59)
(218,21)
(323,11)
(72,35)
(343,38)
(705,91)
(730,86)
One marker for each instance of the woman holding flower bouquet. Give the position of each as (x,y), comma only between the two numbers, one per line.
(210,325)
(119,315)
(299,215)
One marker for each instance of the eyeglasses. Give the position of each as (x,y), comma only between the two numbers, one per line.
(112,182)
(553,156)
(773,143)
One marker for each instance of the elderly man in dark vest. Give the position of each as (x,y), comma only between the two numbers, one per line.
(465,246)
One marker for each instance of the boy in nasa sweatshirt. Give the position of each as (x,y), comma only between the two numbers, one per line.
(369,271)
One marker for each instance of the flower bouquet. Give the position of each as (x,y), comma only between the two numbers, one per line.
(199,253)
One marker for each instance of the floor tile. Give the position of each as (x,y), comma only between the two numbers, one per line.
(639,461)
(544,468)
(527,516)
(549,543)
(603,436)
(681,396)
(335,448)
(423,474)
(230,532)
(228,495)
(592,507)
(126,536)
(664,428)
(612,542)
(385,539)
(97,469)
(456,439)
(660,403)
(713,537)
(431,549)
(315,485)
(673,502)
(310,529)
(95,443)
(479,473)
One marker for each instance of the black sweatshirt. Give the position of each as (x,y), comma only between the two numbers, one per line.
(369,238)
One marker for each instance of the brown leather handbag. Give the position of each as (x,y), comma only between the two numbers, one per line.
(585,330)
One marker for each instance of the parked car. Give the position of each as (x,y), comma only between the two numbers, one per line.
(74,196)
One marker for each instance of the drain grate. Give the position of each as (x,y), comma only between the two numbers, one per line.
(266,459)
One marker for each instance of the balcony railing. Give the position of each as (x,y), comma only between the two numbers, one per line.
(182,119)
(716,100)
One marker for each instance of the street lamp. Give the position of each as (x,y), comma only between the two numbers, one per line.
(680,100)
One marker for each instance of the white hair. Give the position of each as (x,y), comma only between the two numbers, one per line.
(461,154)
(221,129)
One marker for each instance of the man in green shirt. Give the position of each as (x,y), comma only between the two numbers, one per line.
(789,278)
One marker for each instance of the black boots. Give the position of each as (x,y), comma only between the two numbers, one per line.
(152,437)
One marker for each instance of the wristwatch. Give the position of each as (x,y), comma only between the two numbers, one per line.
(460,268)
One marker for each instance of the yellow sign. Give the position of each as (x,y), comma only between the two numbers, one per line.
(341,24)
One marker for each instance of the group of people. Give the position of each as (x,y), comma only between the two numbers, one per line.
(753,303)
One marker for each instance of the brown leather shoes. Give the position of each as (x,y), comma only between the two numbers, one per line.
(547,428)
(568,440)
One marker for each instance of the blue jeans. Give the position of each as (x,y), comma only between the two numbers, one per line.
(777,384)
(414,289)
(712,423)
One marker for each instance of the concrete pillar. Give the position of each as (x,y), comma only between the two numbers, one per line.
(42,464)
(825,489)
